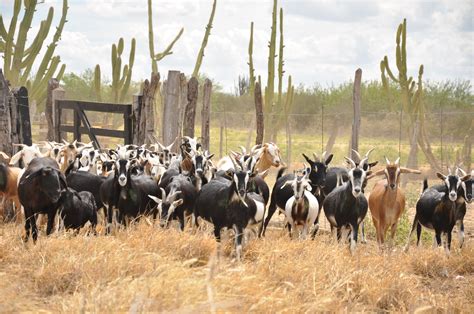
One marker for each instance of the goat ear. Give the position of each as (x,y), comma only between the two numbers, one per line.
(178,202)
(407,170)
(210,156)
(307,159)
(368,173)
(441,176)
(373,164)
(466,177)
(328,159)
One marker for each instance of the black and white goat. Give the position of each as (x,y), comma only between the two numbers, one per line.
(346,206)
(177,201)
(302,209)
(281,194)
(226,204)
(440,208)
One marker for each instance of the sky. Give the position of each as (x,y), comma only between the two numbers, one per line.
(325,40)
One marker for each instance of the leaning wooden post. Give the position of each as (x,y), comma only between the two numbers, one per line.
(52,85)
(259,113)
(57,94)
(183,102)
(206,115)
(354,145)
(190,111)
(148,111)
(171,108)
(5,118)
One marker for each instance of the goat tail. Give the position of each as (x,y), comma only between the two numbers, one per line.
(281,172)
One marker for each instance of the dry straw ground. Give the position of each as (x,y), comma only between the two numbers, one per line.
(147,269)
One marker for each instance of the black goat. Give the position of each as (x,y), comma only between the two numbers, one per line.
(346,205)
(281,194)
(177,201)
(39,191)
(439,208)
(77,208)
(227,205)
(86,181)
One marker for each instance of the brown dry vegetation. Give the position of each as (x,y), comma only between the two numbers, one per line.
(147,269)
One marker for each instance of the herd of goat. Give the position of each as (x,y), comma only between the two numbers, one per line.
(75,181)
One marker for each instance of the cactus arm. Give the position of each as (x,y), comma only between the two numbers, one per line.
(197,66)
(7,56)
(168,50)
(128,79)
(60,74)
(280,63)
(32,52)
(269,90)
(97,81)
(37,89)
(30,7)
(382,75)
(389,72)
(250,63)
(151,39)
(52,46)
(3,30)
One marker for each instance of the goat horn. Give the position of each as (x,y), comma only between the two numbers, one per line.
(397,162)
(163,194)
(350,161)
(463,173)
(387,160)
(357,155)
(316,158)
(234,162)
(243,149)
(368,152)
(20,145)
(323,156)
(4,156)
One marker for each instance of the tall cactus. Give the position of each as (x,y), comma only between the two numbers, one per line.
(250,63)
(411,98)
(96,83)
(270,88)
(18,60)
(121,83)
(168,51)
(200,56)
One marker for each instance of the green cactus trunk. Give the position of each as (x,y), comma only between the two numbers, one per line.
(250,63)
(19,59)
(121,82)
(151,39)
(200,56)
(96,84)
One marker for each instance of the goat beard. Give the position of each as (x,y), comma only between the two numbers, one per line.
(242,200)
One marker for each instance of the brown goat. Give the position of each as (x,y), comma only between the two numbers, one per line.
(387,200)
(9,187)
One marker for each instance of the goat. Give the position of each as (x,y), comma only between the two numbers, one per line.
(126,192)
(302,209)
(164,153)
(77,208)
(39,192)
(189,145)
(9,176)
(281,194)
(177,201)
(439,211)
(86,181)
(387,200)
(346,205)
(226,204)
(24,156)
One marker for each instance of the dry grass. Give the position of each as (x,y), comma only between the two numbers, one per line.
(147,269)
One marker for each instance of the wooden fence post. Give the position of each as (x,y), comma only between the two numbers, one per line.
(183,101)
(136,117)
(24,123)
(5,118)
(57,94)
(206,114)
(171,108)
(259,113)
(190,111)
(52,85)
(149,109)
(354,145)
